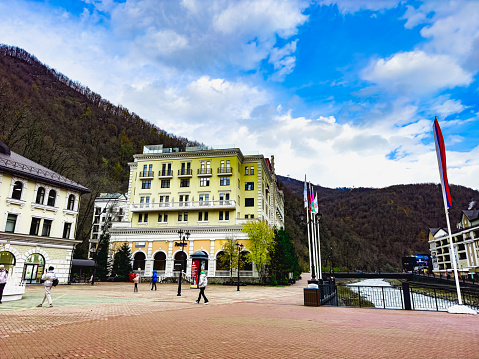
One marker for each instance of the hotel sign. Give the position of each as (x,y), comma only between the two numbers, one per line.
(180,244)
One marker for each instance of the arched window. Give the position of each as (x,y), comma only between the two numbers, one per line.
(52,195)
(159,261)
(17,190)
(8,260)
(139,261)
(180,257)
(71,202)
(40,195)
(33,268)
(223,261)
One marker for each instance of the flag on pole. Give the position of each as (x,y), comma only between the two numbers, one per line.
(316,207)
(305,193)
(441,160)
(311,200)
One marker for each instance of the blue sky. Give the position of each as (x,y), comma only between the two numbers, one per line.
(344,91)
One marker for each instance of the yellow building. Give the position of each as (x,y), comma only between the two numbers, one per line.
(465,243)
(208,192)
(38,216)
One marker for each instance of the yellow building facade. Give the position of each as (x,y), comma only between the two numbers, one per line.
(208,192)
(38,217)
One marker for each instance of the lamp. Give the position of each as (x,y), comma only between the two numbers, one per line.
(240,248)
(182,243)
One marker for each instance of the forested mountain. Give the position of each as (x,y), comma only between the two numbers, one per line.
(66,127)
(372,229)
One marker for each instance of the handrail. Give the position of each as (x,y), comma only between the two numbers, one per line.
(184,205)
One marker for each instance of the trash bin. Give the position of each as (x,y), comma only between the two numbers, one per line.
(312,297)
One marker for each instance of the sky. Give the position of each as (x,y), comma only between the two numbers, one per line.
(343,91)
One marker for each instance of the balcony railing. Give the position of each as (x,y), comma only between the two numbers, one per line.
(183,206)
(204,172)
(225,171)
(146,174)
(185,172)
(165,174)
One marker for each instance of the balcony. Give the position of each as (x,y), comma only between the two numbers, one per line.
(204,172)
(225,171)
(185,172)
(184,206)
(165,174)
(146,174)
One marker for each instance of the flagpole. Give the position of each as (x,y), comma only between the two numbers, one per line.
(306,202)
(319,246)
(313,242)
(452,256)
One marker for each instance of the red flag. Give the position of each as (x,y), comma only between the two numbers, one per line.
(441,160)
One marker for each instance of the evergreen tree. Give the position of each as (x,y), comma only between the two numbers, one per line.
(102,257)
(283,257)
(122,263)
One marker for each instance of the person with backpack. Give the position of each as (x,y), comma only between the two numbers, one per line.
(202,285)
(49,278)
(154,279)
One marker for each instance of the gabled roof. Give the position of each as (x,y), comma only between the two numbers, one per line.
(11,162)
(435,230)
(471,215)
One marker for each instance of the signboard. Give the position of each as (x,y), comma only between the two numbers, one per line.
(195,269)
(180,244)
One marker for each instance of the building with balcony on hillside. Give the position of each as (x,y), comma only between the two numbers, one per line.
(38,217)
(208,192)
(465,243)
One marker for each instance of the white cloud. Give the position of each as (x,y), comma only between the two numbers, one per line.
(352,6)
(417,72)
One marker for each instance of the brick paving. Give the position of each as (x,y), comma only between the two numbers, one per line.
(108,320)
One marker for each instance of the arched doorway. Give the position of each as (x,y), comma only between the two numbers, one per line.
(244,265)
(8,260)
(159,262)
(139,261)
(33,268)
(179,258)
(223,265)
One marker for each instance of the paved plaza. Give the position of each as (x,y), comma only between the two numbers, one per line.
(108,320)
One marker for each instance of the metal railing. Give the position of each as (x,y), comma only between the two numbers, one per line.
(225,170)
(147,174)
(185,172)
(184,205)
(204,171)
(407,296)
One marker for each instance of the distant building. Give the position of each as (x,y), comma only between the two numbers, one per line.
(465,242)
(109,208)
(38,218)
(208,192)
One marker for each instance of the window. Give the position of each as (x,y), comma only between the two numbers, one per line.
(163,217)
(224,181)
(251,216)
(40,195)
(185,182)
(145,201)
(66,230)
(52,196)
(146,184)
(182,216)
(143,217)
(249,186)
(11,222)
(227,215)
(185,216)
(202,216)
(164,201)
(221,216)
(35,226)
(246,216)
(251,171)
(204,197)
(17,190)
(166,169)
(185,168)
(47,226)
(165,183)
(249,202)
(184,198)
(71,202)
(204,182)
(246,170)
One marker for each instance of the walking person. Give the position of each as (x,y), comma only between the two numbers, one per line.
(3,280)
(202,285)
(136,280)
(154,279)
(48,277)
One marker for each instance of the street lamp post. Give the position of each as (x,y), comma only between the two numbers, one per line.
(240,248)
(182,243)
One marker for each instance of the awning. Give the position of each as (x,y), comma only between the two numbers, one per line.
(83,263)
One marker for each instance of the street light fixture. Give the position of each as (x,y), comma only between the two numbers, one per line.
(240,248)
(182,243)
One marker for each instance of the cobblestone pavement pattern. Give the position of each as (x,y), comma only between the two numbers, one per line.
(108,320)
